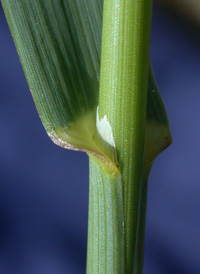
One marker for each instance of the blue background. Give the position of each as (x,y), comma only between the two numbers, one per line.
(44,189)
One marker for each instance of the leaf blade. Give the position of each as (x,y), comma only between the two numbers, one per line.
(61,65)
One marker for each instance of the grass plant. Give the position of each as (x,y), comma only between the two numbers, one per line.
(88,69)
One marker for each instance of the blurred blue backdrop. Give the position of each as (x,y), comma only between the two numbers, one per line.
(44,189)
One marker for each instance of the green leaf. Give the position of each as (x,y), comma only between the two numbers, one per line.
(59,44)
(155,107)
(59,47)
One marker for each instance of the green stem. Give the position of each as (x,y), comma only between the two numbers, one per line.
(123,99)
(105,225)
(140,238)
